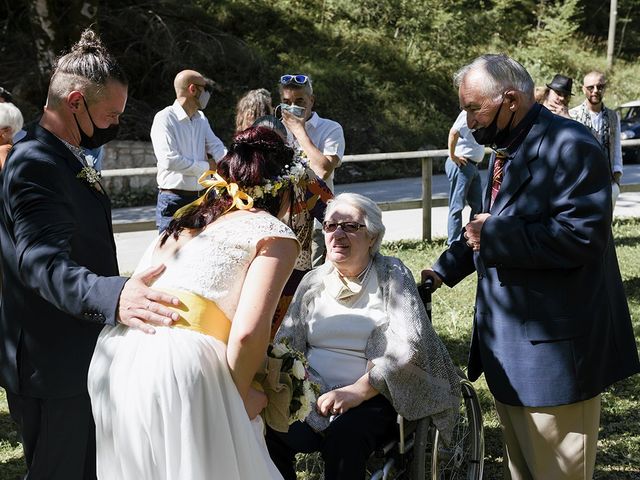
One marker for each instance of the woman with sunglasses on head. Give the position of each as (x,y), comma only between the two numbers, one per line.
(178,404)
(369,343)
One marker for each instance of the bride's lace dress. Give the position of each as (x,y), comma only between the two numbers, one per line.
(165,405)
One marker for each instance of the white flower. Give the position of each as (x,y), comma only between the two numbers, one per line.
(298,370)
(309,393)
(255,192)
(279,349)
(89,174)
(307,401)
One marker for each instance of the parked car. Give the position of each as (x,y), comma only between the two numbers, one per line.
(630,129)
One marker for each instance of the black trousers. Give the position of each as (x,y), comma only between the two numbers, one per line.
(345,445)
(58,436)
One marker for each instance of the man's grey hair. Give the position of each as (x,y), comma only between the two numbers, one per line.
(371,212)
(307,87)
(501,73)
(86,68)
(11,117)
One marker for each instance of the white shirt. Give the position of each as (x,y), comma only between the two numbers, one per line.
(596,121)
(327,136)
(466,146)
(181,144)
(338,333)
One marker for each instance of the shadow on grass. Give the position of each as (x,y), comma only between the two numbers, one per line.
(12,469)
(8,429)
(632,288)
(458,349)
(632,291)
(630,241)
(492,452)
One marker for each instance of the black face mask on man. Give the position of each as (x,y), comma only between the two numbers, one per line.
(100,135)
(490,135)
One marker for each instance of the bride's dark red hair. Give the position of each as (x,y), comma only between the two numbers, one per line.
(256,154)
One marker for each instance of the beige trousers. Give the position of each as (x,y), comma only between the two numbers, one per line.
(550,443)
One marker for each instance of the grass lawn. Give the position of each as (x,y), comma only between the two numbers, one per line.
(619,441)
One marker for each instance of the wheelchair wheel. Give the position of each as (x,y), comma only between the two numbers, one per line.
(464,458)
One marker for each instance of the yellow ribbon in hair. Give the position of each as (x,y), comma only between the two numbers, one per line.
(200,314)
(239,199)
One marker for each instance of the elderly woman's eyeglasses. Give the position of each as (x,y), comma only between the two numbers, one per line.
(299,79)
(347,227)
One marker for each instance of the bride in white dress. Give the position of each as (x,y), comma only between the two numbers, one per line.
(176,405)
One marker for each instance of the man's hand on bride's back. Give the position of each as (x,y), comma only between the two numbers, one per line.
(142,307)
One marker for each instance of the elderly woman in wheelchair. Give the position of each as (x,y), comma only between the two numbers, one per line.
(369,343)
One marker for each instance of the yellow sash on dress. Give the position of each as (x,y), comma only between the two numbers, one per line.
(200,315)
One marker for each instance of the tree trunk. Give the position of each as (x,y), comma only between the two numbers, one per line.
(58,25)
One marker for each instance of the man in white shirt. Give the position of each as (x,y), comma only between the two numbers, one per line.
(465,154)
(604,123)
(184,145)
(318,139)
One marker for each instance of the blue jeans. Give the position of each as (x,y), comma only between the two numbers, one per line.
(168,203)
(464,188)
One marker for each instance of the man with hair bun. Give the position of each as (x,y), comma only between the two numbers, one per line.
(61,283)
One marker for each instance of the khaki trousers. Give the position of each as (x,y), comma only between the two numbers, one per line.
(550,443)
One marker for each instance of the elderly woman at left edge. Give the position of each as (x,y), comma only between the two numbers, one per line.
(361,324)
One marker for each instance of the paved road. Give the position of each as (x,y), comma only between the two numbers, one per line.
(401,224)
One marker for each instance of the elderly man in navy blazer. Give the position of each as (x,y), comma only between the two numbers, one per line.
(61,281)
(551,328)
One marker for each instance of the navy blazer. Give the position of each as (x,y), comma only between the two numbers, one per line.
(61,282)
(551,323)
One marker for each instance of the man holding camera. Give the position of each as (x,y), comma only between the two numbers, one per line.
(318,139)
(184,145)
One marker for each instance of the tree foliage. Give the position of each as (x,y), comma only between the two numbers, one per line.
(382,68)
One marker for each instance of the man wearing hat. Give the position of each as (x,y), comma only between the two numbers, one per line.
(604,123)
(559,93)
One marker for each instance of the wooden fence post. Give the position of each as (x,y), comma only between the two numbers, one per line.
(427,164)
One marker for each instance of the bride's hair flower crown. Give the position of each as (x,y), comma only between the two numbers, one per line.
(242,198)
(292,174)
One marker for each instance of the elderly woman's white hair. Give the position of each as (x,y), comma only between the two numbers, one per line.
(11,117)
(371,211)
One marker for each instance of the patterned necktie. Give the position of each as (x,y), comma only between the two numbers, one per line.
(498,175)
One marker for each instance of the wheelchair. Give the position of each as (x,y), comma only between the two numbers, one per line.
(419,452)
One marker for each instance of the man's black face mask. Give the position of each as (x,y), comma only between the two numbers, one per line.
(490,135)
(100,135)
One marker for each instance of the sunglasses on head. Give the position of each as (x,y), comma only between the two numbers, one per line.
(601,86)
(347,227)
(297,79)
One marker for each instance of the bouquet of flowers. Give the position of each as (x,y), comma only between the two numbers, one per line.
(285,381)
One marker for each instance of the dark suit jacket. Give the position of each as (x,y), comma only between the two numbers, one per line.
(60,269)
(551,324)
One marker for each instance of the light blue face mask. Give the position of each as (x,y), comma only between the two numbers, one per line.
(293,109)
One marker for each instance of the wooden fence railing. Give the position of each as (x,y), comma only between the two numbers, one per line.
(426,202)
